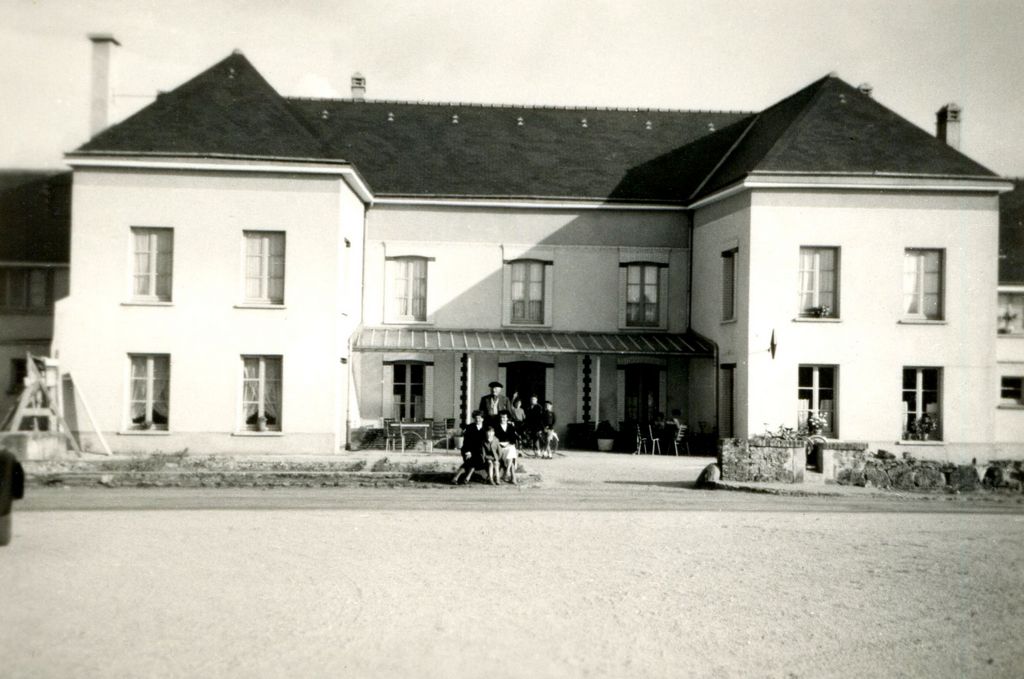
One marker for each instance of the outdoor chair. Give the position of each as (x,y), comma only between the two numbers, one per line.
(641,442)
(681,440)
(390,434)
(655,441)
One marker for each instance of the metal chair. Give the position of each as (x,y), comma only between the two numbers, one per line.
(641,442)
(655,441)
(389,434)
(681,439)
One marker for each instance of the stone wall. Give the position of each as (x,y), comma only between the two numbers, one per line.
(882,470)
(762,459)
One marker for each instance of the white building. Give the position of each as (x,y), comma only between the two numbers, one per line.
(1010,340)
(821,256)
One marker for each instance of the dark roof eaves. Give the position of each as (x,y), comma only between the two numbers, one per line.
(213,156)
(539,107)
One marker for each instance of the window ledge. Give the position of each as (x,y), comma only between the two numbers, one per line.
(643,328)
(811,319)
(258,434)
(409,322)
(1010,335)
(921,321)
(728,321)
(259,305)
(527,326)
(144,432)
(143,302)
(920,443)
(1010,406)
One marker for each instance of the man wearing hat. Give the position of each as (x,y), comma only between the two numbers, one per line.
(493,403)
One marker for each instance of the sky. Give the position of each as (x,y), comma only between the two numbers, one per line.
(679,54)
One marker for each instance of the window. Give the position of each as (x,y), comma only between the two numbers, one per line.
(921,403)
(729,285)
(154,255)
(150,391)
(264,267)
(408,289)
(1011,313)
(819,285)
(26,288)
(726,400)
(642,295)
(922,284)
(1011,390)
(527,292)
(19,371)
(408,391)
(261,393)
(816,398)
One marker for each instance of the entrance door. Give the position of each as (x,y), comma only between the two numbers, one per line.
(526,378)
(642,397)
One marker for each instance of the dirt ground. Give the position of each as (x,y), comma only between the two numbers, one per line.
(448,585)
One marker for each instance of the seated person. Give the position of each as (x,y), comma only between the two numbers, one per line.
(491,452)
(472,438)
(507,437)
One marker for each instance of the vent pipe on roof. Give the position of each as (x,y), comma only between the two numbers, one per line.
(865,89)
(947,125)
(358,86)
(101,96)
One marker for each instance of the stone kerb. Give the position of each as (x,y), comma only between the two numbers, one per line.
(773,460)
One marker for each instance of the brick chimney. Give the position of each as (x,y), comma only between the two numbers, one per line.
(358,86)
(947,125)
(99,107)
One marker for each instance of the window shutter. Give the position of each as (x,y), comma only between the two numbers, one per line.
(620,395)
(387,395)
(549,384)
(662,389)
(428,391)
(622,298)
(728,285)
(663,298)
(549,298)
(506,295)
(431,293)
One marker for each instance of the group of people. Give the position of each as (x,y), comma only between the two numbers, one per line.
(500,427)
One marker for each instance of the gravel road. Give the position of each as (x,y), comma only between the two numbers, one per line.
(469,592)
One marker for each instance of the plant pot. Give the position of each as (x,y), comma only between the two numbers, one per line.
(605,445)
(261,424)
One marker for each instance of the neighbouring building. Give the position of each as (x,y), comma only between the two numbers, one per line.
(253,272)
(35,228)
(1010,321)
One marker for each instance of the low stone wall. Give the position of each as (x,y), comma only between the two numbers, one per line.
(883,470)
(762,459)
(36,445)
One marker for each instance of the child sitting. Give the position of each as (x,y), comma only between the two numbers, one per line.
(491,449)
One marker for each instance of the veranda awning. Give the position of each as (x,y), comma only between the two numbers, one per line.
(531,341)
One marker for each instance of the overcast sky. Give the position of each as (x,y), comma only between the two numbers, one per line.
(707,54)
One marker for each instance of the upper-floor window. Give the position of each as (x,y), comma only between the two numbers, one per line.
(1011,390)
(729,285)
(819,282)
(1011,313)
(264,267)
(643,295)
(154,257)
(816,399)
(407,298)
(527,292)
(150,391)
(922,284)
(922,411)
(25,288)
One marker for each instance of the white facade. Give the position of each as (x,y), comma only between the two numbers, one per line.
(208,325)
(871,341)
(1010,372)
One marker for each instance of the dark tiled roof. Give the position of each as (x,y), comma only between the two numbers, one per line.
(35,216)
(830,127)
(227,109)
(1011,235)
(416,149)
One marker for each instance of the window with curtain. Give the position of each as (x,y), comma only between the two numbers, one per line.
(922,409)
(527,291)
(819,283)
(150,391)
(642,295)
(24,288)
(816,396)
(922,284)
(408,391)
(264,267)
(1011,313)
(729,285)
(408,289)
(153,263)
(261,393)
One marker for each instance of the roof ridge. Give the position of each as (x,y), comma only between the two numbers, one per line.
(541,107)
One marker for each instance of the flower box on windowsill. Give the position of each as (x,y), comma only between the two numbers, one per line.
(814,319)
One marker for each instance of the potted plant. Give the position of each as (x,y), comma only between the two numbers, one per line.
(605,434)
(823,311)
(924,427)
(261,424)
(817,423)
